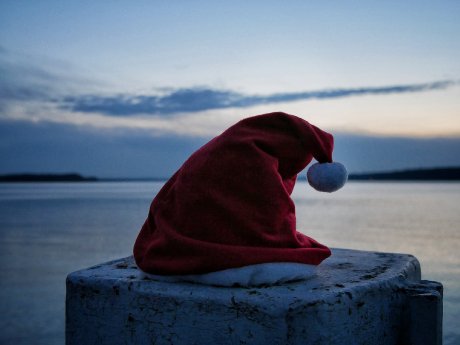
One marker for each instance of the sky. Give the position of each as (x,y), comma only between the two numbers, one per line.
(131,89)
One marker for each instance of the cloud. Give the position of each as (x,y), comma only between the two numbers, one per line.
(365,153)
(36,79)
(189,100)
(41,90)
(178,101)
(53,83)
(50,147)
(24,84)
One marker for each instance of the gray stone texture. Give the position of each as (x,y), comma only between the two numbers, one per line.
(356,297)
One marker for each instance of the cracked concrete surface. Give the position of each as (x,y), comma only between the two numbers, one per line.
(357,297)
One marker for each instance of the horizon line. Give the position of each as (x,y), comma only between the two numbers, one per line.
(77,177)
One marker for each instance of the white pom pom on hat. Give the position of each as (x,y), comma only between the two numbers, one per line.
(327,177)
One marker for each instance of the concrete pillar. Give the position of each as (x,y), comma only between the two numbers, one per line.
(356,297)
(424,313)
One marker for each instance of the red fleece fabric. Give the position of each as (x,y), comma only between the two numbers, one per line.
(229,204)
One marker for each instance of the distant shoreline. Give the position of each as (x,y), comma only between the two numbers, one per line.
(432,174)
(72,177)
(69,177)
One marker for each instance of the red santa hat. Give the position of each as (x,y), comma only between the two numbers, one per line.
(229,204)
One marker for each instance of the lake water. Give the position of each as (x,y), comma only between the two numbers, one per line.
(49,230)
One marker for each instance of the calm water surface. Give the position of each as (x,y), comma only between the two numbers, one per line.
(49,230)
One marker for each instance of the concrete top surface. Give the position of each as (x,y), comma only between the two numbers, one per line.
(346,272)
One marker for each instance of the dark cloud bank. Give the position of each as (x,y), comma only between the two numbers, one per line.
(201,99)
(45,147)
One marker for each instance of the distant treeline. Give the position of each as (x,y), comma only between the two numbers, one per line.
(434,174)
(45,178)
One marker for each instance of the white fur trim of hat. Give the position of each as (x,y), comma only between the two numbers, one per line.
(270,273)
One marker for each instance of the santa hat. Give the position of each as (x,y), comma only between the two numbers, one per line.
(229,204)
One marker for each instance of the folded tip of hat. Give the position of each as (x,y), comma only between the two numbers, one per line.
(327,177)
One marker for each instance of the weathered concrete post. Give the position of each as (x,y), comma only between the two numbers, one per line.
(424,319)
(356,298)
